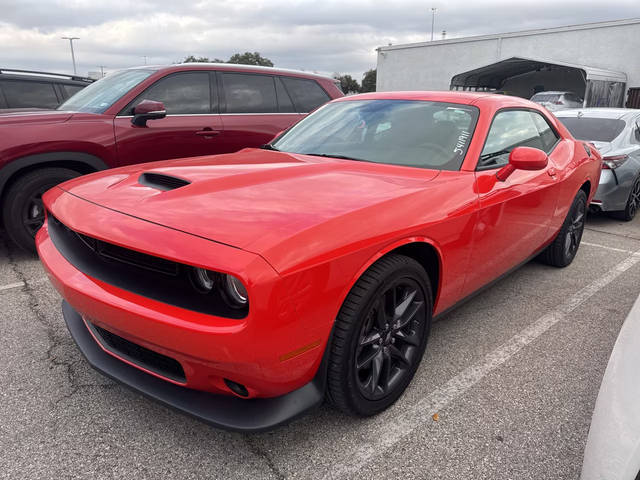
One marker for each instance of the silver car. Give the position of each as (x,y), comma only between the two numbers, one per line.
(616,133)
(554,101)
(613,445)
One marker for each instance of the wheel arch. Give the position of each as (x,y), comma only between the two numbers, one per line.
(78,161)
(423,250)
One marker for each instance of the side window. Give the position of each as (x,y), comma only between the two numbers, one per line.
(246,93)
(306,94)
(548,136)
(71,90)
(509,129)
(29,94)
(181,93)
(3,104)
(285,105)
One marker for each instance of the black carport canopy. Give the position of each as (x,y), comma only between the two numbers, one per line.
(495,75)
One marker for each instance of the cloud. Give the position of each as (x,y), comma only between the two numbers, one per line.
(327,36)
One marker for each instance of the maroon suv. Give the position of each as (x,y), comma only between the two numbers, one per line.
(141,115)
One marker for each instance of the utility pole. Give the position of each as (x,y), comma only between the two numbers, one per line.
(102,70)
(73,57)
(145,59)
(433,20)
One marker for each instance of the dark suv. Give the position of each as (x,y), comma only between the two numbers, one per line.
(145,114)
(26,89)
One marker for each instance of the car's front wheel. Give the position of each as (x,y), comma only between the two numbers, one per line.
(23,211)
(380,336)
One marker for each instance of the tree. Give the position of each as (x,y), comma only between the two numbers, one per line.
(192,59)
(369,81)
(347,83)
(248,58)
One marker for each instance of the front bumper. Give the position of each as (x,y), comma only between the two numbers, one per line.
(230,413)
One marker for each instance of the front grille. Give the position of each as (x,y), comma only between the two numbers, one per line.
(139,355)
(147,275)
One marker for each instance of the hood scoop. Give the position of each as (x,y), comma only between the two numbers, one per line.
(160,181)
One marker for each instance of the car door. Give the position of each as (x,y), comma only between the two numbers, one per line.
(514,216)
(254,109)
(191,128)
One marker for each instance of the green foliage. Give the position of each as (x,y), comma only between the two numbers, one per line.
(248,58)
(369,81)
(347,83)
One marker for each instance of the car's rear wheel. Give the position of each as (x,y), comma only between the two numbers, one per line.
(633,204)
(380,336)
(23,211)
(564,247)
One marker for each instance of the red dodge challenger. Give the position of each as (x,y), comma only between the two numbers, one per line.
(245,288)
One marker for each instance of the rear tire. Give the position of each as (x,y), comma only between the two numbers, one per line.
(23,212)
(564,247)
(633,204)
(379,336)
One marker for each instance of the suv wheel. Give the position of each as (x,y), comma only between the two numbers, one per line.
(23,212)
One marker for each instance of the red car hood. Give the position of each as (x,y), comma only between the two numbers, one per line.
(253,199)
(9,117)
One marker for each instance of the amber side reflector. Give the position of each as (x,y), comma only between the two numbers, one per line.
(299,351)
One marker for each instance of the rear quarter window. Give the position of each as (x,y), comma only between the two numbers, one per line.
(306,94)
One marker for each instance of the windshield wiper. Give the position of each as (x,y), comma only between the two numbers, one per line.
(489,156)
(332,155)
(268,146)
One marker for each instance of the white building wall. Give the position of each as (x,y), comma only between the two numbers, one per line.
(431,65)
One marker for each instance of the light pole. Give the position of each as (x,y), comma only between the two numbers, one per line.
(73,57)
(433,20)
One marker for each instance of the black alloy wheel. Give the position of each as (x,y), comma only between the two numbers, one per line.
(389,338)
(564,247)
(379,336)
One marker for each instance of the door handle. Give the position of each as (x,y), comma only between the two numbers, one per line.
(207,132)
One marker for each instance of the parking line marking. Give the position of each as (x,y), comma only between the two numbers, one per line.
(392,426)
(11,285)
(614,249)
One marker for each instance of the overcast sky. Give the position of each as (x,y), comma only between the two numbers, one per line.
(323,36)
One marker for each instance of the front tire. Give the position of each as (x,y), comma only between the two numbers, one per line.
(380,336)
(564,247)
(23,212)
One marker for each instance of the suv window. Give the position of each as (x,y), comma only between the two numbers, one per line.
(285,105)
(249,93)
(181,93)
(71,90)
(511,129)
(29,94)
(306,94)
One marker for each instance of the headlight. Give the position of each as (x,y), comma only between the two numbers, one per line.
(235,292)
(202,280)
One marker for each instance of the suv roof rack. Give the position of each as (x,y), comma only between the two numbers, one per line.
(35,72)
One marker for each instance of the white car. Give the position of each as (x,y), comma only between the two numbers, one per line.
(554,101)
(613,445)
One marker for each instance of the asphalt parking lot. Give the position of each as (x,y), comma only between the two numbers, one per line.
(513,376)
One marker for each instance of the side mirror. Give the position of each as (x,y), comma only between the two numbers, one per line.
(523,158)
(147,110)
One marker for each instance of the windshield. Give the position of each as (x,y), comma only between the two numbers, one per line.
(100,95)
(397,132)
(593,129)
